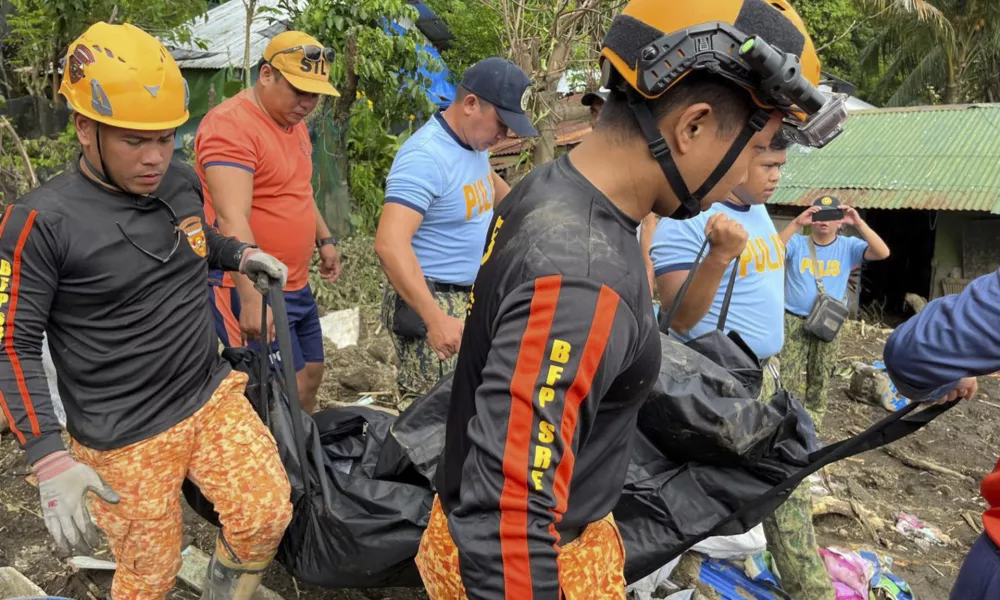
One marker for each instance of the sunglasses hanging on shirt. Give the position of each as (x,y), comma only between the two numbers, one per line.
(163,204)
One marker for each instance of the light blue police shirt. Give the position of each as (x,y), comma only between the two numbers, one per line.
(756,310)
(451,185)
(836,260)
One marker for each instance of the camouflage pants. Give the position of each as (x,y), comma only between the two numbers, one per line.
(808,362)
(419,366)
(789,531)
(591,567)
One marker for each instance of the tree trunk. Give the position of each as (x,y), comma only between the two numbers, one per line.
(548,100)
(55,79)
(951,87)
(251,7)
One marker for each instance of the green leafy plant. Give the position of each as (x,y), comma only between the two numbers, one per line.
(41,31)
(371,150)
(380,64)
(361,277)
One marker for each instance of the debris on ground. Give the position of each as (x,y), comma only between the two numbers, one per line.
(922,533)
(13,584)
(916,302)
(93,564)
(863,575)
(194,566)
(342,327)
(871,384)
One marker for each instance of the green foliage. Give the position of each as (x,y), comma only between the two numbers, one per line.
(833,25)
(41,30)
(476,28)
(383,73)
(932,50)
(385,63)
(48,156)
(361,276)
(370,150)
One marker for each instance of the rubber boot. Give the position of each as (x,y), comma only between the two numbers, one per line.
(230,578)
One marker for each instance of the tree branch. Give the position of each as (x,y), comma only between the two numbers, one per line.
(350,90)
(20,148)
(853,26)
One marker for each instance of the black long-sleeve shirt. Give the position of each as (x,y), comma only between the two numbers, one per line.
(131,336)
(560,349)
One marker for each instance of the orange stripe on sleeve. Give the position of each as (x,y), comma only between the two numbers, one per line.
(514,497)
(15,362)
(593,351)
(6,215)
(10,420)
(3,400)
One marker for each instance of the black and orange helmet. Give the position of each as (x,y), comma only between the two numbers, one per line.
(652,46)
(761,46)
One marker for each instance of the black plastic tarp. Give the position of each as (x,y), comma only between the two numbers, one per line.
(348,528)
(708,459)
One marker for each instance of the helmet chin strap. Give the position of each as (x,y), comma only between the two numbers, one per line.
(690,202)
(104,174)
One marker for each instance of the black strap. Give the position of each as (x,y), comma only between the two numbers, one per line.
(895,426)
(282,331)
(263,372)
(757,122)
(729,295)
(690,203)
(666,319)
(690,206)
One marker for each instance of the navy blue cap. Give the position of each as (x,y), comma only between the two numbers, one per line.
(827,202)
(504,85)
(601,94)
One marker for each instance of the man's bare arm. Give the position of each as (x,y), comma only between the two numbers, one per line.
(500,188)
(699,297)
(322,231)
(231,189)
(395,251)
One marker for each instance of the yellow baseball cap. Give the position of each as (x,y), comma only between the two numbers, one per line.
(303,61)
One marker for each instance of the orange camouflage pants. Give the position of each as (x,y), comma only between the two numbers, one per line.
(227,451)
(591,567)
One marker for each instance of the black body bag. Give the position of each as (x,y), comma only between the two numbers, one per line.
(348,528)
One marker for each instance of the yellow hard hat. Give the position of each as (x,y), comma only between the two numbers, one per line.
(652,46)
(122,76)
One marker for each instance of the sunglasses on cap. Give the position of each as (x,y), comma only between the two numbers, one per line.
(311,53)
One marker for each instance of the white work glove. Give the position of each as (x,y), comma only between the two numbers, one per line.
(63,485)
(261,267)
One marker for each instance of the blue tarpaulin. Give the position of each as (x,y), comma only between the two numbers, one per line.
(441,92)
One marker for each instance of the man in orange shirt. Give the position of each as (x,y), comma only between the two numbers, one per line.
(254,159)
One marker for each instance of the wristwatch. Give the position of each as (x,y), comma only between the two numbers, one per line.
(327,240)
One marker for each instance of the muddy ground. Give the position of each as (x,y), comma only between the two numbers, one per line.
(880,486)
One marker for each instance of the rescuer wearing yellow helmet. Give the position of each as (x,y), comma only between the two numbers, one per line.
(110,259)
(560,346)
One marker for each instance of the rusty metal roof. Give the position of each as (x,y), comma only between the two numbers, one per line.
(568,133)
(928,158)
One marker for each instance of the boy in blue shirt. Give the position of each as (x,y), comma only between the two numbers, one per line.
(439,201)
(741,227)
(738,227)
(808,360)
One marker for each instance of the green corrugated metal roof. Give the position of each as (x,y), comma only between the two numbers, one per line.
(930,158)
